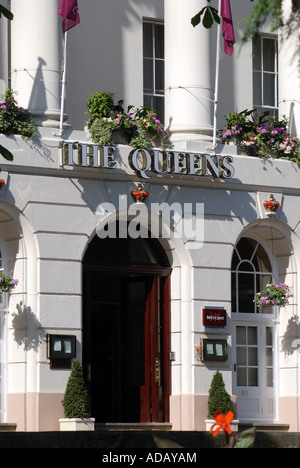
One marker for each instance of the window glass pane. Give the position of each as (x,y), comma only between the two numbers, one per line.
(269,377)
(253,377)
(269,336)
(263,260)
(257,97)
(252,357)
(241,335)
(159,77)
(257,53)
(246,248)
(252,336)
(246,293)
(233,292)
(241,356)
(269,357)
(159,41)
(269,90)
(148,40)
(241,376)
(269,54)
(148,76)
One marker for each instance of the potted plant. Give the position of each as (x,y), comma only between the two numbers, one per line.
(15,120)
(7,283)
(110,124)
(273,295)
(262,136)
(219,402)
(76,403)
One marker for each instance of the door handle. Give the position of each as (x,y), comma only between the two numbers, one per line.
(157,370)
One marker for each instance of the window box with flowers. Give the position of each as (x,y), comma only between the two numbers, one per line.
(15,120)
(110,124)
(273,295)
(262,136)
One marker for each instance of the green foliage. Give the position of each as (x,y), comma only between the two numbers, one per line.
(245,439)
(139,128)
(7,283)
(218,398)
(6,153)
(15,120)
(76,401)
(101,131)
(5,12)
(210,15)
(100,105)
(261,135)
(262,11)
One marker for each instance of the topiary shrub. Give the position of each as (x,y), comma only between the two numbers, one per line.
(76,402)
(218,398)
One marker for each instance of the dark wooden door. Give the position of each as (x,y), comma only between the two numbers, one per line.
(126,346)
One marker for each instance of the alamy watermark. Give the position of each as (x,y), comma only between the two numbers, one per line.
(156,220)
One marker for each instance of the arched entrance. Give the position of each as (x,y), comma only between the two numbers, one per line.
(126,330)
(254,350)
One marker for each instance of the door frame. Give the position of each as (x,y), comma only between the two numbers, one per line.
(153,414)
(261,322)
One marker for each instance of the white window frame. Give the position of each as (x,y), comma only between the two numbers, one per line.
(260,106)
(153,95)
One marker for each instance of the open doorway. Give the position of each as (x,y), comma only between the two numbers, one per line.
(126,330)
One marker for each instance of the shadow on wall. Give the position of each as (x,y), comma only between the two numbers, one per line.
(28,331)
(290,342)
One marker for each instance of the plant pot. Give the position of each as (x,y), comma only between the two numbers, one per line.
(77,424)
(234,426)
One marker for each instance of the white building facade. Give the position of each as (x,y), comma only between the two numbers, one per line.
(154,303)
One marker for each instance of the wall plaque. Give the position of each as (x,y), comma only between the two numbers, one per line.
(214,317)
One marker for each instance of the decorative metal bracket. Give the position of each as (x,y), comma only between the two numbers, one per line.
(271,206)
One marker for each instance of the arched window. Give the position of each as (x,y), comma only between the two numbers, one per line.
(251,271)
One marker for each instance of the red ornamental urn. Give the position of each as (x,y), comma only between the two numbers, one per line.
(139,195)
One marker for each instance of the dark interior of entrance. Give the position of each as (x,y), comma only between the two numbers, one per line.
(126,328)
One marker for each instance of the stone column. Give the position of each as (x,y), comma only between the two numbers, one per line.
(36,58)
(289,73)
(189,87)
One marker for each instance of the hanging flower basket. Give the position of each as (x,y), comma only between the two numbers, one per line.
(273,295)
(7,283)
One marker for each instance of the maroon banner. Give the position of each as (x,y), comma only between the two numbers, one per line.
(214,317)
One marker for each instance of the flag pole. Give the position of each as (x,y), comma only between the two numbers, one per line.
(217,79)
(63,88)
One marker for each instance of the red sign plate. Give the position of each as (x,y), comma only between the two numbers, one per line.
(214,317)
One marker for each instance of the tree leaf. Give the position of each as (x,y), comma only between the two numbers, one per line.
(6,153)
(4,11)
(208,19)
(165,443)
(197,18)
(246,439)
(216,15)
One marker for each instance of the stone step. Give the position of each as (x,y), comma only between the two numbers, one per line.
(8,427)
(133,427)
(265,427)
